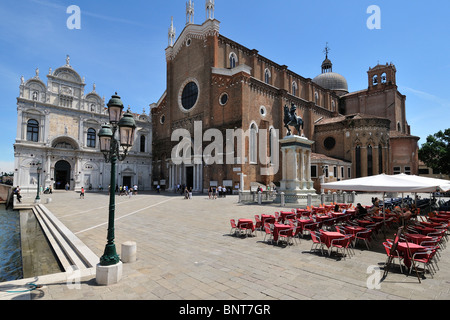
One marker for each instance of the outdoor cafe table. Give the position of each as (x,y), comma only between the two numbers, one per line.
(417,238)
(364,223)
(285,214)
(430,224)
(303,212)
(425,230)
(328,236)
(439,220)
(402,248)
(321,218)
(267,218)
(277,227)
(338,214)
(351,211)
(377,218)
(318,210)
(302,222)
(246,223)
(344,205)
(354,229)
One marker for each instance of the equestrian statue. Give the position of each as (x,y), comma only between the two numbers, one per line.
(291,119)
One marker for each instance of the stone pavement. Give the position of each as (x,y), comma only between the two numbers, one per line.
(185,252)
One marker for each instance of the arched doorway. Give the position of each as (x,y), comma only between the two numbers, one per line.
(62,174)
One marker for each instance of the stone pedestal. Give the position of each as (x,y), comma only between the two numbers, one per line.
(107,275)
(296,181)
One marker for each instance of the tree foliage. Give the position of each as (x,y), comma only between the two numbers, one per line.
(435,153)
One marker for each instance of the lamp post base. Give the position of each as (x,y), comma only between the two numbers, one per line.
(107,275)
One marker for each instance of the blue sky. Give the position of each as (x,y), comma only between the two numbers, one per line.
(120,47)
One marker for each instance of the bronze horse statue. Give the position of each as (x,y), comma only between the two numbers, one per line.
(291,119)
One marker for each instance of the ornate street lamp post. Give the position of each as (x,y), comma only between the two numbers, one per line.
(109,146)
(38,170)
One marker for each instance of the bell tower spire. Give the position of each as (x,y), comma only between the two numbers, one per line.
(171,34)
(189,12)
(209,9)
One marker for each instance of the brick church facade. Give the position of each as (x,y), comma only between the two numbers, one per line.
(221,84)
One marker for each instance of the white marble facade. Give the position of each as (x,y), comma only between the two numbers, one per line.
(57,127)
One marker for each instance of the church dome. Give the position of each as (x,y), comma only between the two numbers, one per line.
(331,81)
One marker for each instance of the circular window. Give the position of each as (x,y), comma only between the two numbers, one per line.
(162,119)
(189,95)
(329,143)
(223,99)
(263,111)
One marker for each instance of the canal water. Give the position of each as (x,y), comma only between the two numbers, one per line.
(10,251)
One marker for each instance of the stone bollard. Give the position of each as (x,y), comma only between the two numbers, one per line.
(308,200)
(259,197)
(128,251)
(282,199)
(48,200)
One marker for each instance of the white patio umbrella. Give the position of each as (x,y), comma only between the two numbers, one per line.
(379,183)
(438,184)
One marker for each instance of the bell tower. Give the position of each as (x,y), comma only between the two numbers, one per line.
(381,76)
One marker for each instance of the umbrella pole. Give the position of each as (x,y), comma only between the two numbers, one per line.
(384,218)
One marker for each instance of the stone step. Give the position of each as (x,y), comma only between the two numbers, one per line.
(69,248)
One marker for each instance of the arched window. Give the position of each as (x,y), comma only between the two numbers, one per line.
(316,98)
(358,161)
(33,130)
(253,143)
(91,136)
(267,76)
(142,144)
(233,60)
(294,88)
(272,139)
(380,159)
(383,78)
(369,160)
(399,127)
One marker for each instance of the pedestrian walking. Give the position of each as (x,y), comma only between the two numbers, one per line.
(82,193)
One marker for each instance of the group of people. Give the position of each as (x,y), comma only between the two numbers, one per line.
(128,191)
(187,193)
(403,214)
(219,191)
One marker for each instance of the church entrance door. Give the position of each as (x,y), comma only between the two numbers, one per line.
(62,174)
(190,177)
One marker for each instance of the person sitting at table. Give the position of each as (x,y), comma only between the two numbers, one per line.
(360,211)
(337,208)
(403,216)
(414,211)
(376,206)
